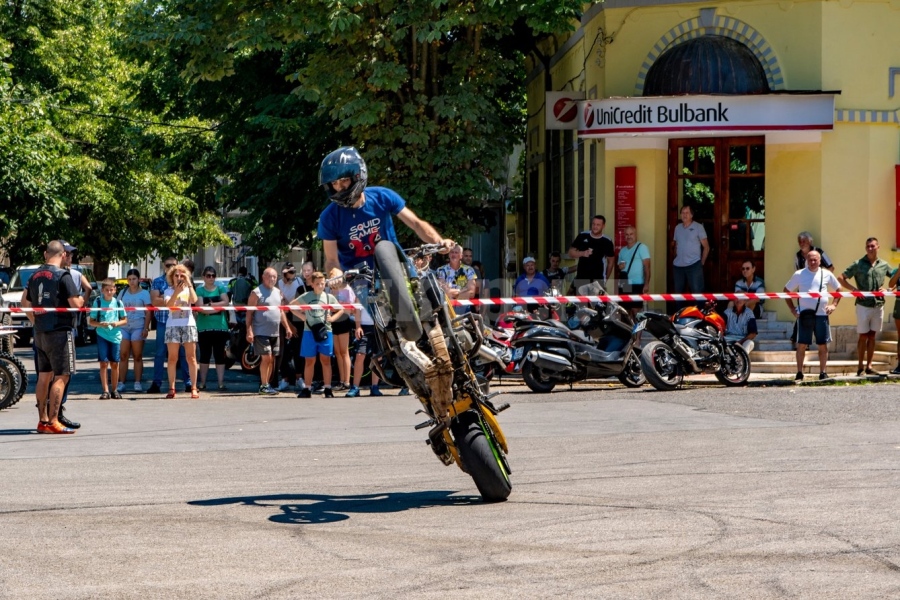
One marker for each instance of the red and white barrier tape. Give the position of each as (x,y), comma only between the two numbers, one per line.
(539,300)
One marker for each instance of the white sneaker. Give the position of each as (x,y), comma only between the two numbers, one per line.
(121,387)
(284,385)
(138,387)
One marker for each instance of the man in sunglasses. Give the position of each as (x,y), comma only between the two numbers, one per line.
(157,288)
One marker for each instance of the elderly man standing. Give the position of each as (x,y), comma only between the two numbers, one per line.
(869,273)
(263,326)
(812,313)
(691,251)
(51,286)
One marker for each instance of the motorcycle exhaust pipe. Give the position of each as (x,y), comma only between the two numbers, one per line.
(488,355)
(548,361)
(685,352)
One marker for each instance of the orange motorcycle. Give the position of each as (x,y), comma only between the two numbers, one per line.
(690,342)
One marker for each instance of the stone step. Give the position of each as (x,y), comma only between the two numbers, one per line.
(775,326)
(788,356)
(772,345)
(886,346)
(811,367)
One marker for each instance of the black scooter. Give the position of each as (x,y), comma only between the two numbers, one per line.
(601,346)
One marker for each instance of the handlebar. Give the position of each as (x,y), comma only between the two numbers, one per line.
(351,274)
(423,250)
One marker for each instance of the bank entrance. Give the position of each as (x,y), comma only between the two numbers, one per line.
(723,179)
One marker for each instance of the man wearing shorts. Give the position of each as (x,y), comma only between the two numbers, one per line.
(52,287)
(869,273)
(812,313)
(263,325)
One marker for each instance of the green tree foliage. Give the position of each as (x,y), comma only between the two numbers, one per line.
(432,92)
(80,161)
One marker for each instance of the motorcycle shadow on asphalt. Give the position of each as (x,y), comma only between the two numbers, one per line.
(308,509)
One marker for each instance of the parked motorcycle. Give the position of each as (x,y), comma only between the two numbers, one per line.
(431,350)
(600,346)
(689,342)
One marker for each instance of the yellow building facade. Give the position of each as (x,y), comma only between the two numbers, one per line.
(754,184)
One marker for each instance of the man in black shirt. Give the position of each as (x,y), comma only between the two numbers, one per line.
(52,287)
(592,249)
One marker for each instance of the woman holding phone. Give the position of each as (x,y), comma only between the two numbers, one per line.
(181,328)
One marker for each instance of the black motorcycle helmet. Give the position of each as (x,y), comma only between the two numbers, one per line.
(344,162)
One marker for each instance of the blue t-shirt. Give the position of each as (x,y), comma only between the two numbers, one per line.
(357,230)
(113,335)
(536,287)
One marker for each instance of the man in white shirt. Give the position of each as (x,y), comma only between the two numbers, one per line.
(813,313)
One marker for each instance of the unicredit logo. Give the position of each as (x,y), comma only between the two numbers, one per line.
(588,115)
(565,110)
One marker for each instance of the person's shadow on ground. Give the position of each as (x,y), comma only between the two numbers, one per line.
(318,508)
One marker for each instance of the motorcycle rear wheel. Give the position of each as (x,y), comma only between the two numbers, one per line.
(535,379)
(632,375)
(735,369)
(481,458)
(660,366)
(394,279)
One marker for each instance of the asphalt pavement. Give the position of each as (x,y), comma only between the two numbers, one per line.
(768,491)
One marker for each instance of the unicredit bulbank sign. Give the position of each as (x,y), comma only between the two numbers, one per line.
(705,114)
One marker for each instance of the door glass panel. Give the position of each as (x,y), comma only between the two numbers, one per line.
(758,159)
(697,160)
(737,159)
(698,193)
(747,209)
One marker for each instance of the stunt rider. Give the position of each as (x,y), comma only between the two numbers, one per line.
(360,217)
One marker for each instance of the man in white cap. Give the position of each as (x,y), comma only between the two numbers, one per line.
(530,283)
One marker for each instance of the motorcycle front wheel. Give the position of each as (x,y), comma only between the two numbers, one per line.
(19,373)
(735,368)
(535,379)
(394,280)
(481,458)
(660,366)
(632,375)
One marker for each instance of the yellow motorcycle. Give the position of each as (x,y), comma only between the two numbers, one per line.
(423,344)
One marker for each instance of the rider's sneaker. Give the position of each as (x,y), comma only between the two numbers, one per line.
(374,391)
(53,427)
(353,392)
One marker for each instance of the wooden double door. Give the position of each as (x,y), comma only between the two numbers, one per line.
(724,181)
